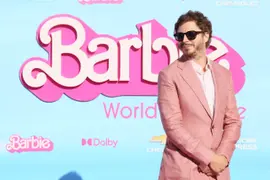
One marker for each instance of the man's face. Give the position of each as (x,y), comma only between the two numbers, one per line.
(194,41)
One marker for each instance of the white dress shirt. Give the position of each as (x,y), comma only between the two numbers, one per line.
(207,83)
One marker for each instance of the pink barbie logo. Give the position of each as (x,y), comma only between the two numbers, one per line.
(32,144)
(100,1)
(83,64)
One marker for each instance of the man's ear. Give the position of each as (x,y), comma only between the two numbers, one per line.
(206,37)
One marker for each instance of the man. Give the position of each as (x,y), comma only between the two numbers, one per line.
(198,108)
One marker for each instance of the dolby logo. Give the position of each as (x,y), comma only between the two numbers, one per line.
(99,142)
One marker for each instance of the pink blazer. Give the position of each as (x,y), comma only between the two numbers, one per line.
(193,136)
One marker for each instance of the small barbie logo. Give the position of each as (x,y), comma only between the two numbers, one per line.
(100,1)
(32,144)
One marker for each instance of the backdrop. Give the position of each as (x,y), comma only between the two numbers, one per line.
(78,93)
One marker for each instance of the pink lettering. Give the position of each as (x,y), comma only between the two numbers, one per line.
(18,144)
(154,108)
(129,112)
(241,111)
(126,112)
(111,109)
(83,64)
(99,142)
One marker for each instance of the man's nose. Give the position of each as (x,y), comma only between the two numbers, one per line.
(185,39)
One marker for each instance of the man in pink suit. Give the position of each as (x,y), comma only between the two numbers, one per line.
(198,108)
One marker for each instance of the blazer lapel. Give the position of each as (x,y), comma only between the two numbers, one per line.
(189,75)
(217,77)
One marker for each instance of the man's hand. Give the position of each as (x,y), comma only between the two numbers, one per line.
(218,163)
(208,171)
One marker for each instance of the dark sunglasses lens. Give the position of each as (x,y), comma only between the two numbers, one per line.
(191,35)
(179,36)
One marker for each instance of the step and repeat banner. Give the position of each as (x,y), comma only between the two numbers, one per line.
(79,85)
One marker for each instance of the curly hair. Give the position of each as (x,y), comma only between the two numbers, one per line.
(202,22)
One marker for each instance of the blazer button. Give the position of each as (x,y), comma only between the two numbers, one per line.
(213,127)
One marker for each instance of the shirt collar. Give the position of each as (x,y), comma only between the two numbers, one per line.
(198,67)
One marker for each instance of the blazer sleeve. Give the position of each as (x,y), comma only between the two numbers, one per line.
(171,117)
(232,125)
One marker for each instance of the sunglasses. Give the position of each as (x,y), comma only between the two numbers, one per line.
(191,35)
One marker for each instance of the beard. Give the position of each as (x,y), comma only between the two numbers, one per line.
(191,53)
